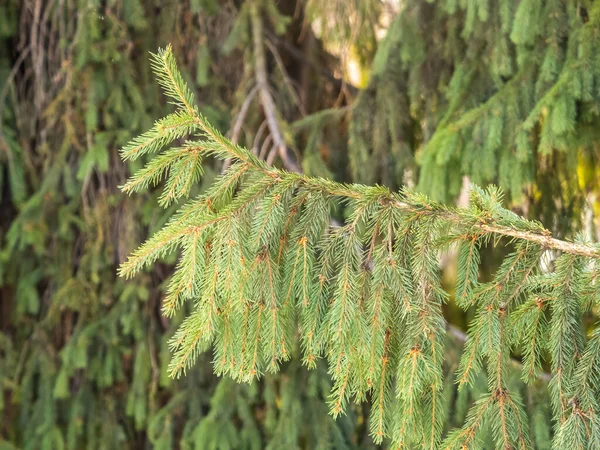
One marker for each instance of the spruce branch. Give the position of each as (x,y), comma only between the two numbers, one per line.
(264,268)
(515,228)
(506,225)
(169,77)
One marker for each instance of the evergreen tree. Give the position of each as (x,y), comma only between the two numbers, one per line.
(491,90)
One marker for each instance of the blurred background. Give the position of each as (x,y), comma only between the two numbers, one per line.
(432,95)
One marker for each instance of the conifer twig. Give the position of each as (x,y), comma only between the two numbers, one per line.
(239,121)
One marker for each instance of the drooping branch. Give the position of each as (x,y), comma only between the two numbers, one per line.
(487,225)
(258,251)
(540,236)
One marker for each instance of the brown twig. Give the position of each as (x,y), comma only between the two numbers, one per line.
(286,78)
(5,88)
(299,56)
(266,100)
(544,240)
(239,121)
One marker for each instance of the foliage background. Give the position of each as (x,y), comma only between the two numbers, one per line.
(83,354)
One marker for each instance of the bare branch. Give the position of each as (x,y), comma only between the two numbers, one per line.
(266,99)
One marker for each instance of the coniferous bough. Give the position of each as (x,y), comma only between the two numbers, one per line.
(264,268)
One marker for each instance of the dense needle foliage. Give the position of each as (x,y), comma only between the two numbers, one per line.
(262,265)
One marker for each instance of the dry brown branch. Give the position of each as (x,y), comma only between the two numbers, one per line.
(266,99)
